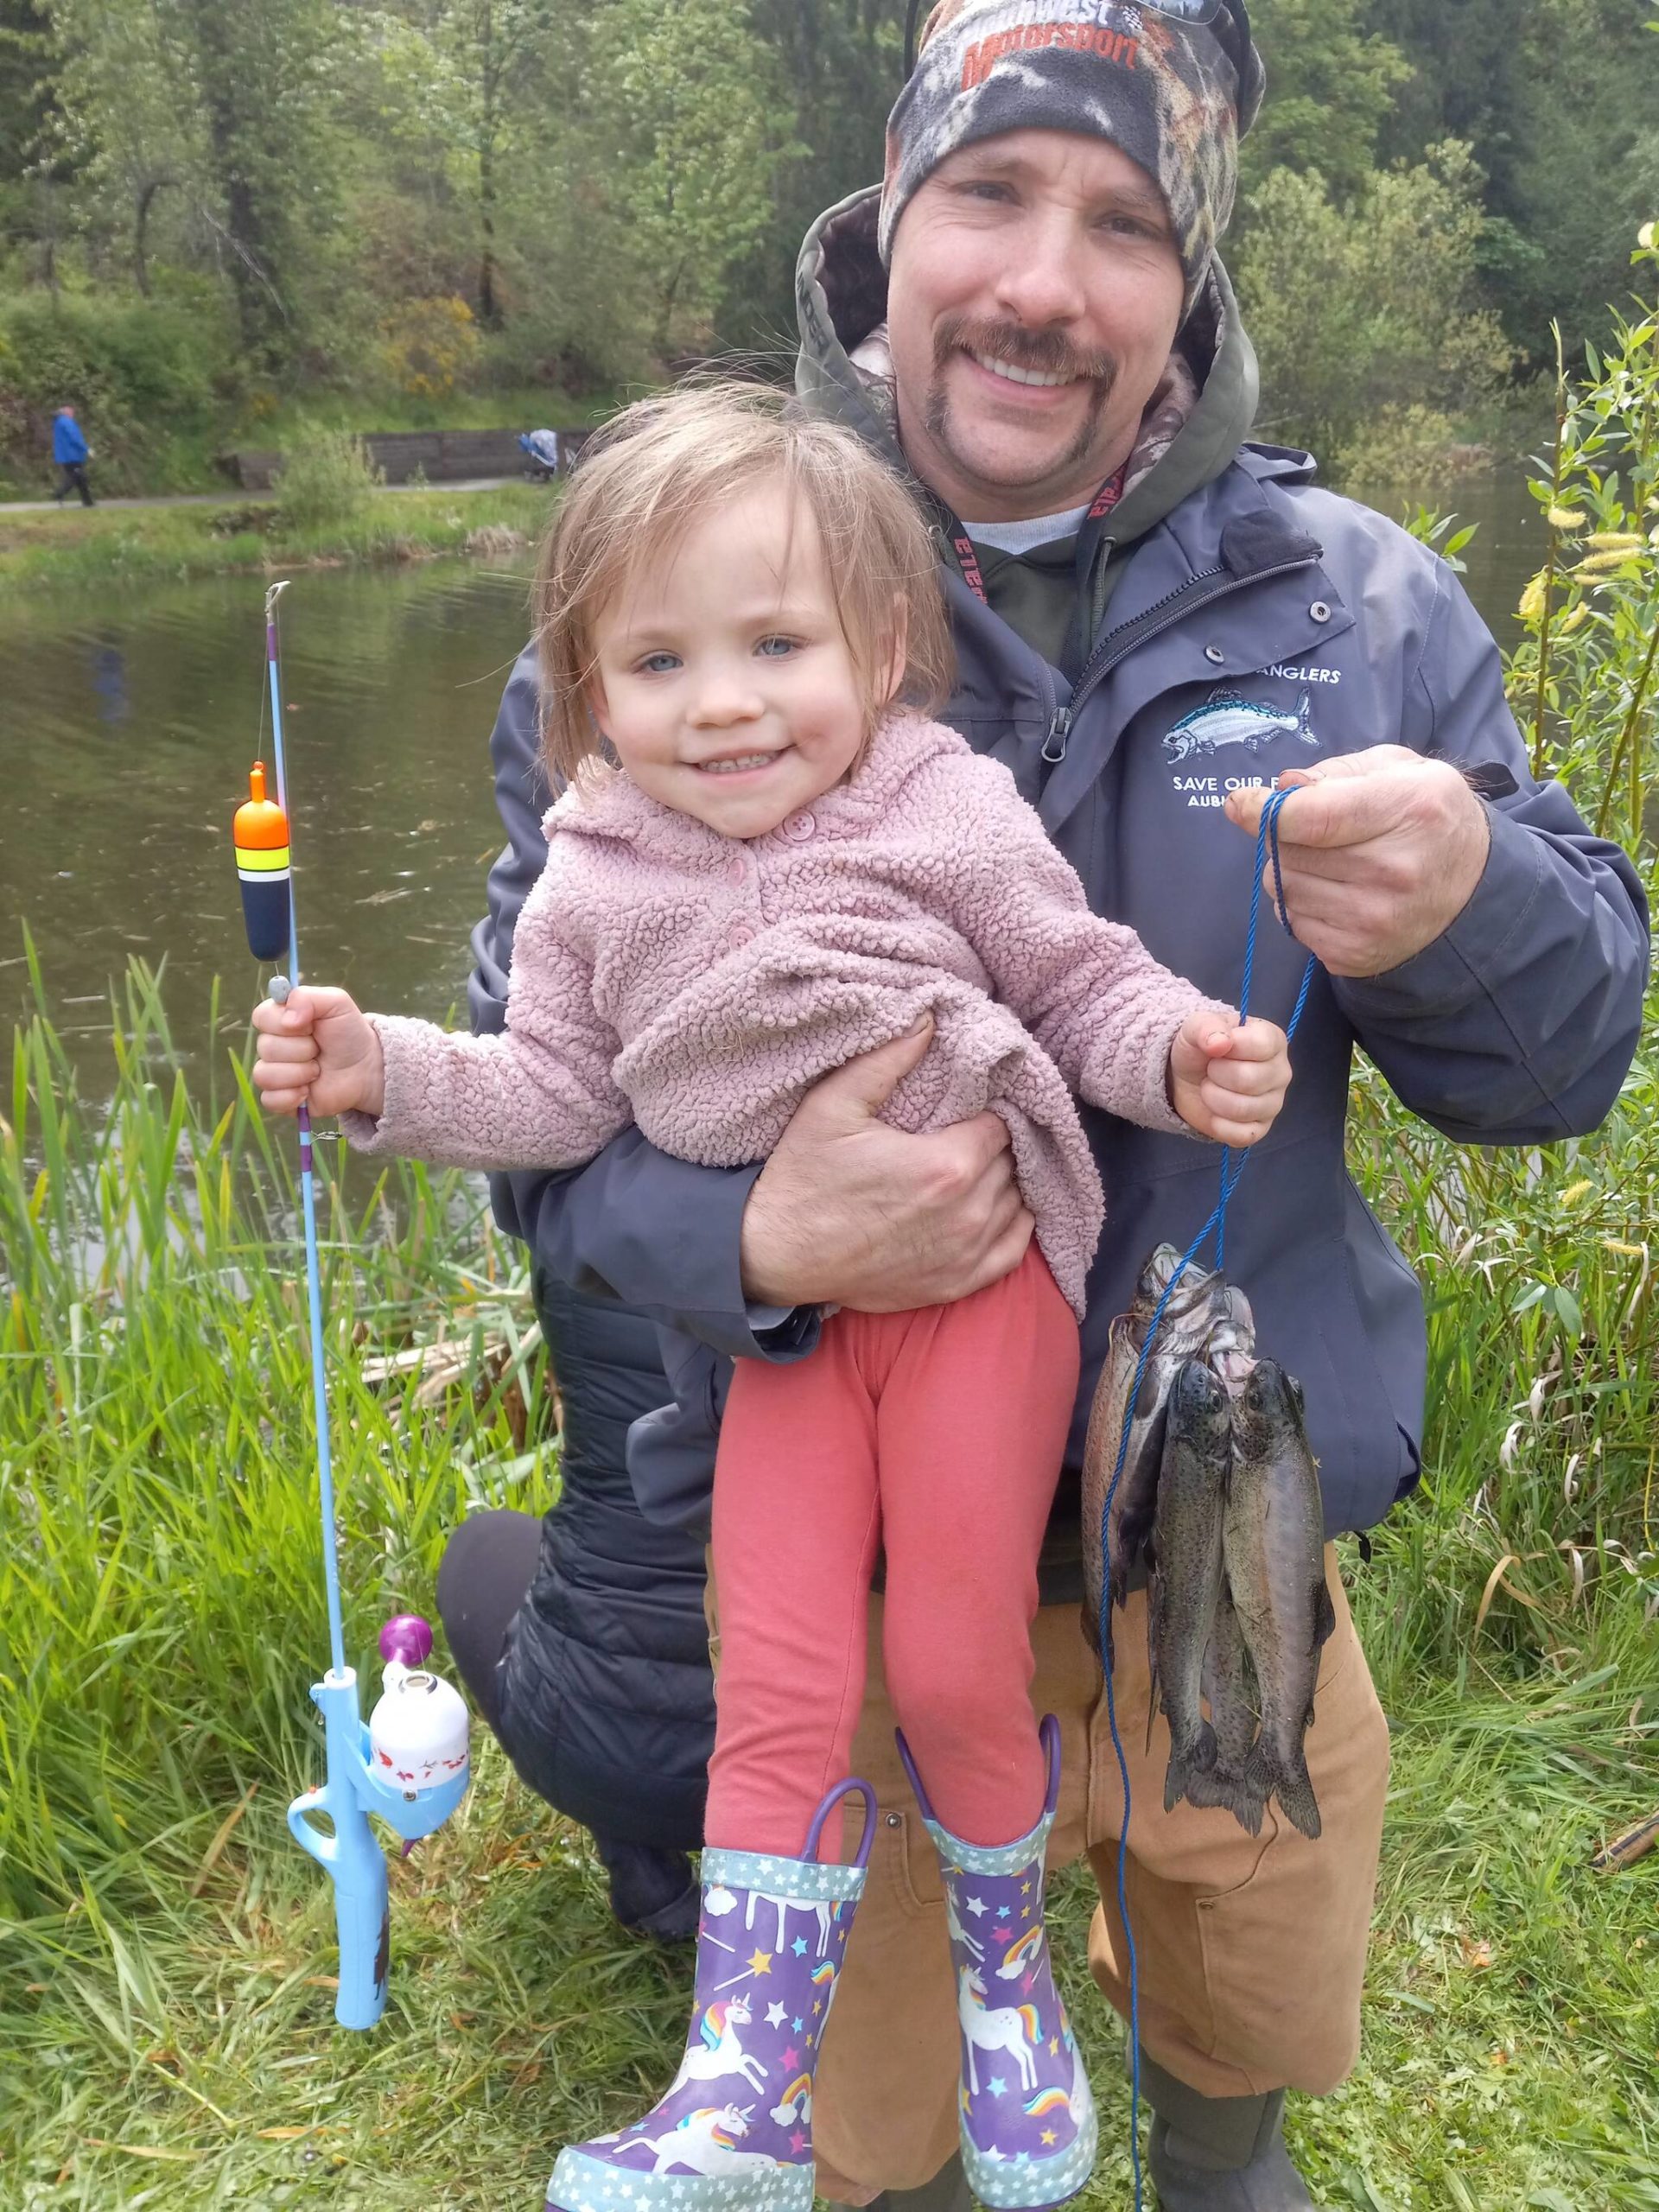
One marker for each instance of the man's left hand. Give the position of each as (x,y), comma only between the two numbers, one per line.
(1380,851)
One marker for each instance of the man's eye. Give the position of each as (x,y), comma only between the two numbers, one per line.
(986,188)
(657,664)
(776,648)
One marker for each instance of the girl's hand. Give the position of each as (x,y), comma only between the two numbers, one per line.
(1228,1080)
(318,1050)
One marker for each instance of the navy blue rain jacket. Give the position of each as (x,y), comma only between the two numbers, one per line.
(1323,629)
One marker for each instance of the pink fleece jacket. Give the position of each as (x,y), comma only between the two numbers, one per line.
(698,985)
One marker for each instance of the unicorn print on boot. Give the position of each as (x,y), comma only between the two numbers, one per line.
(1027,2113)
(734,2132)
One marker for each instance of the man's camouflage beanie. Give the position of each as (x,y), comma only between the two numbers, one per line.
(1175,88)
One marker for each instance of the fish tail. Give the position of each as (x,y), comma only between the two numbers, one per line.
(1289,1780)
(1304,720)
(1186,1761)
(1226,1787)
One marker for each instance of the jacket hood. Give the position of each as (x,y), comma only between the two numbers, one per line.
(841,298)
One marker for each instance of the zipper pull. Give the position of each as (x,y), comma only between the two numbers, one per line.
(1059,731)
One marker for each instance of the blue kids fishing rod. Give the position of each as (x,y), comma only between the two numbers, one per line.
(410,1765)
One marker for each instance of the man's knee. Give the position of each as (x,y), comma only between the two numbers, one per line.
(484,1577)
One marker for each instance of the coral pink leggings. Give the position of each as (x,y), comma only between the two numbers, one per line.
(937,1435)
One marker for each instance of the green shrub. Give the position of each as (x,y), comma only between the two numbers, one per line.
(1351,307)
(327,478)
(135,369)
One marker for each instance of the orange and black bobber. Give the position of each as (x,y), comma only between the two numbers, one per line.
(261,861)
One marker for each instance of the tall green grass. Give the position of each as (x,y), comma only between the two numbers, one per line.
(165,1954)
(160,1578)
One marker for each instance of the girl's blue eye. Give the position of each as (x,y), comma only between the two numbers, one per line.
(776,648)
(659,664)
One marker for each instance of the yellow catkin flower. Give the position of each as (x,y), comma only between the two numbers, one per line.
(1645,236)
(1567,517)
(1572,618)
(1574,1192)
(1532,599)
(1607,541)
(1597,564)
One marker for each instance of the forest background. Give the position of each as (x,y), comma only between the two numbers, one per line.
(225,225)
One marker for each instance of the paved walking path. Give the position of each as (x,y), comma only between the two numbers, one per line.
(232,498)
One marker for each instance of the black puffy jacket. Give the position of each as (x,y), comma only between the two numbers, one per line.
(607,1702)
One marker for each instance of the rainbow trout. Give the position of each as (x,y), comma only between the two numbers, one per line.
(1205,1310)
(1229,1691)
(1184,1589)
(1272,1541)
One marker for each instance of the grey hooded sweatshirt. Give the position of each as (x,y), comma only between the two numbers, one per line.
(1240,619)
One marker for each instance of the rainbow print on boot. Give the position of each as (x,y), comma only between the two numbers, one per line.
(733,2131)
(1027,2113)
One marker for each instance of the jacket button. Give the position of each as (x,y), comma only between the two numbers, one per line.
(1319,611)
(739,934)
(1214,653)
(737,868)
(798,827)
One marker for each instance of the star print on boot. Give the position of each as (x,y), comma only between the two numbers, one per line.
(1027,2113)
(733,2131)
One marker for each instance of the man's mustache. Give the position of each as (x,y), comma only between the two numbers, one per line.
(1048,353)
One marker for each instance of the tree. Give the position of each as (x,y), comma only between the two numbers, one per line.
(1359,312)
(692,104)
(1331,87)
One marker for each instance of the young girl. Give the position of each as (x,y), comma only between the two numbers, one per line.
(765,861)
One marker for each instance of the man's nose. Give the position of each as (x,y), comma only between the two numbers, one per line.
(1040,283)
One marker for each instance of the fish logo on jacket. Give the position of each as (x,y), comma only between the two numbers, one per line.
(1228,718)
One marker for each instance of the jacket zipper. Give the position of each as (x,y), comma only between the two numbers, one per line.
(1168,611)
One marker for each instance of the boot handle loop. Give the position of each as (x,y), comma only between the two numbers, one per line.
(844,1790)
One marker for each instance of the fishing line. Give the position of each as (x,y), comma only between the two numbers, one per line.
(1267,846)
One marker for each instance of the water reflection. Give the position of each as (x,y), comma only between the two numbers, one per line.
(126,728)
(125,737)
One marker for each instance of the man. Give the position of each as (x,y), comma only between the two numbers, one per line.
(70,454)
(1153,619)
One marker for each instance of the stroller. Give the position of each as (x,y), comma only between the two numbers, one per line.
(542,455)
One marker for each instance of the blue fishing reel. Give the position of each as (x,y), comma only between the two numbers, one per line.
(409,1765)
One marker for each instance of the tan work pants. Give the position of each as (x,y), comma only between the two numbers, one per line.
(1251,1948)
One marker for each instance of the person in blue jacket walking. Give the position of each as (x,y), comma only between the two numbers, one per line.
(71,453)
(1154,616)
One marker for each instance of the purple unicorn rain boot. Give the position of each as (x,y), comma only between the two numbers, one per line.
(1027,2117)
(734,2132)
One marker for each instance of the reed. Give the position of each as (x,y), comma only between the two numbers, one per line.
(165,1953)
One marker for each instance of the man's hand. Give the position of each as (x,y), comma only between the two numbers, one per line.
(849,1211)
(1381,852)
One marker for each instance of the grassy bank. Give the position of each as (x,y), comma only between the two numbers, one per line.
(165,1952)
(103,546)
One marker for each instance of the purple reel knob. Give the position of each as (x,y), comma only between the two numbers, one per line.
(407,1638)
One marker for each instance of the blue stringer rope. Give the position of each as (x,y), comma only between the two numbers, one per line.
(1266,842)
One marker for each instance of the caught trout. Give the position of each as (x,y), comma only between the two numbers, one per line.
(1203,1305)
(1186,1585)
(1273,1543)
(1229,1691)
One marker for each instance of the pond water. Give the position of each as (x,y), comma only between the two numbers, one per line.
(127,723)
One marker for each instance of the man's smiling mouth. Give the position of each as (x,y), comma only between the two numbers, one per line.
(1006,370)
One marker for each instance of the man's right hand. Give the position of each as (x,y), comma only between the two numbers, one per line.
(850,1212)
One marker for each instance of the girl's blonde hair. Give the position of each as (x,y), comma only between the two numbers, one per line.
(663,464)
